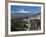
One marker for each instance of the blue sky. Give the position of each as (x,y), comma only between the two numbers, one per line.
(33,9)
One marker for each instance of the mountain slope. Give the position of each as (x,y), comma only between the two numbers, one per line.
(18,15)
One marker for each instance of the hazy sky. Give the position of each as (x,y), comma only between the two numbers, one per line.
(33,9)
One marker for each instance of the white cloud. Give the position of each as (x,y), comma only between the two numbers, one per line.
(12,12)
(22,11)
